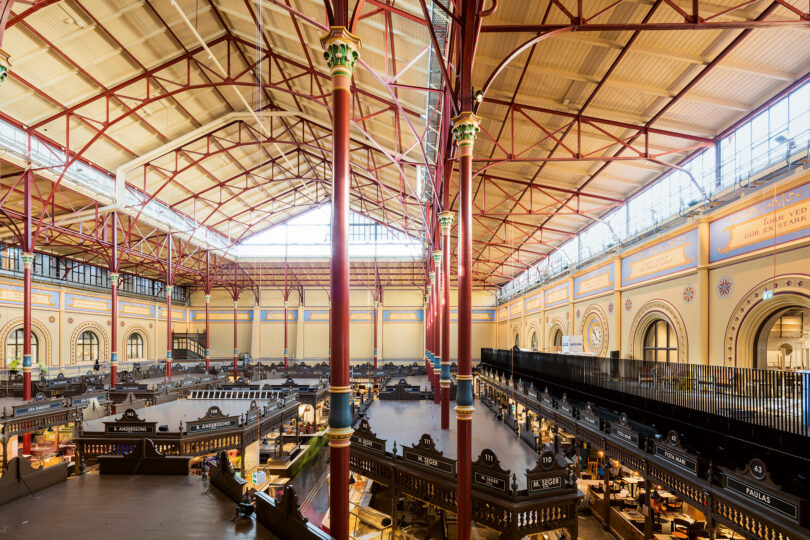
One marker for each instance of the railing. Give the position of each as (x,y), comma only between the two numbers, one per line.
(774,399)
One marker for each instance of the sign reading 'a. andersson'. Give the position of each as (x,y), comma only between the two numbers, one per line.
(131,428)
(677,458)
(213,425)
(442,465)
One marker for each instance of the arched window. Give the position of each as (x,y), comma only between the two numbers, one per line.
(660,343)
(534,341)
(517,340)
(556,340)
(87,347)
(781,342)
(14,347)
(134,347)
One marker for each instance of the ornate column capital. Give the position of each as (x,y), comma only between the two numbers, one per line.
(235,304)
(27,259)
(169,289)
(465,130)
(115,277)
(432,277)
(437,257)
(341,49)
(446,221)
(5,65)
(207,298)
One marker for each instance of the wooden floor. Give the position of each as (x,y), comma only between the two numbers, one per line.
(127,507)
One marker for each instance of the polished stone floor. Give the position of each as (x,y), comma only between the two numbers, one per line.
(172,412)
(406,421)
(127,507)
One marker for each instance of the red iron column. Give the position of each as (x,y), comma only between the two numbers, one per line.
(169,289)
(207,331)
(286,350)
(235,349)
(28,265)
(376,308)
(114,329)
(341,51)
(465,129)
(114,304)
(446,223)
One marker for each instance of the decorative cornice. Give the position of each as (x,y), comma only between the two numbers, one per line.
(341,49)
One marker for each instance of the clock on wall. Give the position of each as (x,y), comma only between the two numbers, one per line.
(594,330)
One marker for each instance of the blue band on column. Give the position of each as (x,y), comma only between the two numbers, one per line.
(235,352)
(340,412)
(375,352)
(445,376)
(26,360)
(113,357)
(437,362)
(207,353)
(464,395)
(285,352)
(168,355)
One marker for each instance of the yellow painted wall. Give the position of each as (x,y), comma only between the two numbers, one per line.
(691,296)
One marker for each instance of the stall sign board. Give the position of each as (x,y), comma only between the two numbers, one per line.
(625,435)
(592,420)
(35,407)
(82,401)
(252,416)
(489,481)
(131,429)
(213,425)
(436,463)
(549,483)
(58,382)
(131,387)
(764,498)
(377,445)
(677,458)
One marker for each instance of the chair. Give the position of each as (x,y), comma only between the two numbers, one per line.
(680,525)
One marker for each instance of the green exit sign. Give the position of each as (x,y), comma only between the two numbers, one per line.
(767,295)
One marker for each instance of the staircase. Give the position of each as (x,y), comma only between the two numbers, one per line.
(188,346)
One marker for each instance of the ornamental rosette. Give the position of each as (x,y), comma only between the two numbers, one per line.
(341,50)
(446,221)
(465,129)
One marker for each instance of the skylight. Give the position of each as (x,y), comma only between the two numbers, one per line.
(309,235)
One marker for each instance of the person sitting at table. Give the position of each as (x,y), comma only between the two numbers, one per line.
(657,506)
